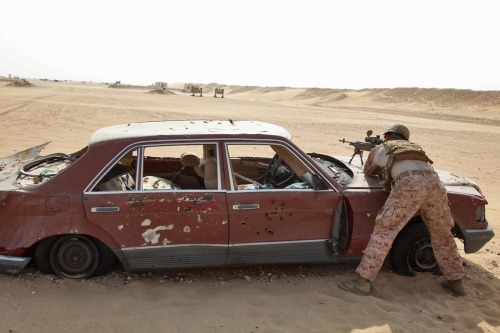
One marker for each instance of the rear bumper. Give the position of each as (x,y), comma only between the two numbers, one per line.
(12,265)
(475,239)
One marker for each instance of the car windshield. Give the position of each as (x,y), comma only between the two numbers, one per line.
(335,168)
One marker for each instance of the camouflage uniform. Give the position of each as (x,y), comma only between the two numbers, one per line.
(424,193)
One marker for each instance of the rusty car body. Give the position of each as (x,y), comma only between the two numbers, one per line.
(183,194)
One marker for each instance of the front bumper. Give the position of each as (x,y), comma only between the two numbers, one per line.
(12,265)
(475,239)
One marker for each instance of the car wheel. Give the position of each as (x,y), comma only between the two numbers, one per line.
(74,257)
(41,256)
(107,259)
(412,251)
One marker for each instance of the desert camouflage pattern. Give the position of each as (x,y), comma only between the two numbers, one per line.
(409,195)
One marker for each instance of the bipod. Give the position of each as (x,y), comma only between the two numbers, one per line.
(357,151)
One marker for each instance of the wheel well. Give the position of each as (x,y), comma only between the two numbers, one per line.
(418,219)
(31,250)
(414,220)
(106,252)
(411,251)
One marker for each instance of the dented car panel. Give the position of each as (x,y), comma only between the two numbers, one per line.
(9,166)
(287,227)
(152,228)
(363,209)
(181,194)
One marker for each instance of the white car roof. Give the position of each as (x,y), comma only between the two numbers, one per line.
(187,127)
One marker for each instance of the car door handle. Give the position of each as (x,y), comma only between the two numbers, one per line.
(246,206)
(105,209)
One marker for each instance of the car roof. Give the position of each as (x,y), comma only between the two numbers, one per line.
(187,127)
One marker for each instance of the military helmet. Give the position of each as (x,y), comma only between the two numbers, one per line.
(400,129)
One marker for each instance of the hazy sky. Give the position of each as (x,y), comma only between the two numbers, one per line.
(309,43)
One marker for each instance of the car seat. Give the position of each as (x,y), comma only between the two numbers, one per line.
(206,168)
(190,159)
(209,167)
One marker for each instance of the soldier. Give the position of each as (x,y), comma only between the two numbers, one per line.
(404,170)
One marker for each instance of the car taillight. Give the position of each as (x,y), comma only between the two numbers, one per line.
(481,214)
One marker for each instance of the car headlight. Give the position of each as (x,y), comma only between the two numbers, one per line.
(481,213)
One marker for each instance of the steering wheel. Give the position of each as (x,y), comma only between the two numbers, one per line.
(278,173)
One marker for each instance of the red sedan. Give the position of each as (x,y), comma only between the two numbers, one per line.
(182,194)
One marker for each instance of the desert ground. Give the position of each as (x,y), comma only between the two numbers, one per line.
(459,129)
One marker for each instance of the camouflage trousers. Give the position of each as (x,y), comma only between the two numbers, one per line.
(423,193)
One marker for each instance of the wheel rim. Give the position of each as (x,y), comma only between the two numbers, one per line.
(421,257)
(74,257)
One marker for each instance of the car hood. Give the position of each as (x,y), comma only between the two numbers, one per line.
(457,183)
(452,181)
(9,166)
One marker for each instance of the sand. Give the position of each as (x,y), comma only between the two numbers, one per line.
(459,129)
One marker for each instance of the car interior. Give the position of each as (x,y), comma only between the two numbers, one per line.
(253,167)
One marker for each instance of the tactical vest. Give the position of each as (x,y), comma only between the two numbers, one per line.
(399,150)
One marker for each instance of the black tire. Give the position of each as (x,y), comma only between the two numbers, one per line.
(412,251)
(41,255)
(74,257)
(107,259)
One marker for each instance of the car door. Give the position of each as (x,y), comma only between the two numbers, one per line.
(159,226)
(284,224)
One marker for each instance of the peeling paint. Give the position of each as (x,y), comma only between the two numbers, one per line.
(187,229)
(120,227)
(151,235)
(137,203)
(208,197)
(146,223)
(194,203)
(200,219)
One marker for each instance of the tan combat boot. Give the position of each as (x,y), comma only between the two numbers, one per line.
(455,286)
(357,285)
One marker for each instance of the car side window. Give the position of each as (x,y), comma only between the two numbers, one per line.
(266,166)
(172,167)
(163,167)
(121,177)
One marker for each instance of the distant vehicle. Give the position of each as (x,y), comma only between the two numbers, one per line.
(182,194)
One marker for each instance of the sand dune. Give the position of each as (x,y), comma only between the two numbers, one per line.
(460,129)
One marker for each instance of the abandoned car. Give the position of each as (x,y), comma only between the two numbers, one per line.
(184,194)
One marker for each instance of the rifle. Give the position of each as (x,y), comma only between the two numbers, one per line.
(370,143)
